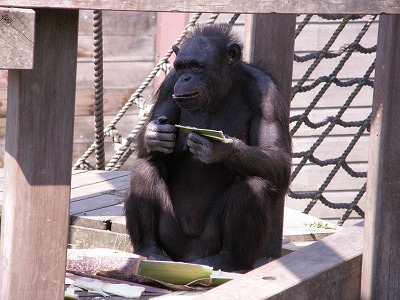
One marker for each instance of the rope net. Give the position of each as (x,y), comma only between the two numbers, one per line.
(330,114)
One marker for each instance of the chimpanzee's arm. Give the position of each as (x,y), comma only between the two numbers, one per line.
(158,135)
(268,154)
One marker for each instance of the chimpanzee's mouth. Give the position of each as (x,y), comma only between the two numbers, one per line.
(185,96)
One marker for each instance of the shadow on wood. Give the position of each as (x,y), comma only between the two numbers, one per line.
(328,269)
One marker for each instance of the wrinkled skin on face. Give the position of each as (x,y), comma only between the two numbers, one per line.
(199,70)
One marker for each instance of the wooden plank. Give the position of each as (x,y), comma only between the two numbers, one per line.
(109,212)
(38,163)
(118,224)
(128,48)
(97,178)
(355,67)
(97,191)
(252,6)
(272,37)
(101,218)
(86,238)
(315,35)
(333,97)
(16,38)
(381,268)
(327,269)
(96,222)
(101,201)
(113,71)
(310,178)
(297,227)
(222,18)
(333,146)
(120,23)
(114,99)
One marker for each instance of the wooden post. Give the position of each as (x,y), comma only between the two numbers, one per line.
(38,160)
(270,39)
(381,262)
(169,27)
(16,42)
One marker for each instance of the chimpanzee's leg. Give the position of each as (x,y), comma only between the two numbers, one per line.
(245,225)
(147,196)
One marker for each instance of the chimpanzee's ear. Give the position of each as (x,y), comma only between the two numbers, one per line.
(175,48)
(234,54)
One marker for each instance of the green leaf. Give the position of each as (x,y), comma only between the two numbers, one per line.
(217,135)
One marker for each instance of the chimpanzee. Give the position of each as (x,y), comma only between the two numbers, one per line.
(194,199)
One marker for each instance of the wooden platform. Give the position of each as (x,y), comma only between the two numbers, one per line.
(97,214)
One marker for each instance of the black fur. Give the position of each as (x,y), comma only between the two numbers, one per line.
(192,199)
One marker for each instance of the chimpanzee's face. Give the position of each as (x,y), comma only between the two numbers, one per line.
(196,67)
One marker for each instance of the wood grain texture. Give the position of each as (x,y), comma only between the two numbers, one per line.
(271,38)
(327,269)
(16,38)
(253,6)
(84,238)
(38,162)
(381,268)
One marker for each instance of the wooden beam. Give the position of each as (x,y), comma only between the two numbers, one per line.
(16,38)
(223,6)
(169,27)
(38,160)
(381,268)
(269,39)
(328,269)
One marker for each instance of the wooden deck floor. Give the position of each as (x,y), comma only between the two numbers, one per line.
(97,213)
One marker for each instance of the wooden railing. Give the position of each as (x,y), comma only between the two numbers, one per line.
(40,127)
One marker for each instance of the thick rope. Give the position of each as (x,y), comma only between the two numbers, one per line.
(331,122)
(98,89)
(81,162)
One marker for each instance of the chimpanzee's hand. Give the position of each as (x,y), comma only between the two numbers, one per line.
(159,136)
(208,150)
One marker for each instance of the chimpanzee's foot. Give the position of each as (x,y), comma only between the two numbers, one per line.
(152,253)
(218,262)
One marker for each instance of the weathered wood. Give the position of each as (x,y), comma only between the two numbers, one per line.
(114,99)
(126,47)
(355,67)
(327,269)
(111,217)
(81,238)
(253,6)
(318,31)
(38,163)
(381,268)
(16,38)
(271,38)
(85,178)
(119,74)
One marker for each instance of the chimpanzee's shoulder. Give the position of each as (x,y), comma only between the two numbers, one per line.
(257,77)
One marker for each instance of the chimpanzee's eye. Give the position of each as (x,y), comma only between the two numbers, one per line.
(179,66)
(195,65)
